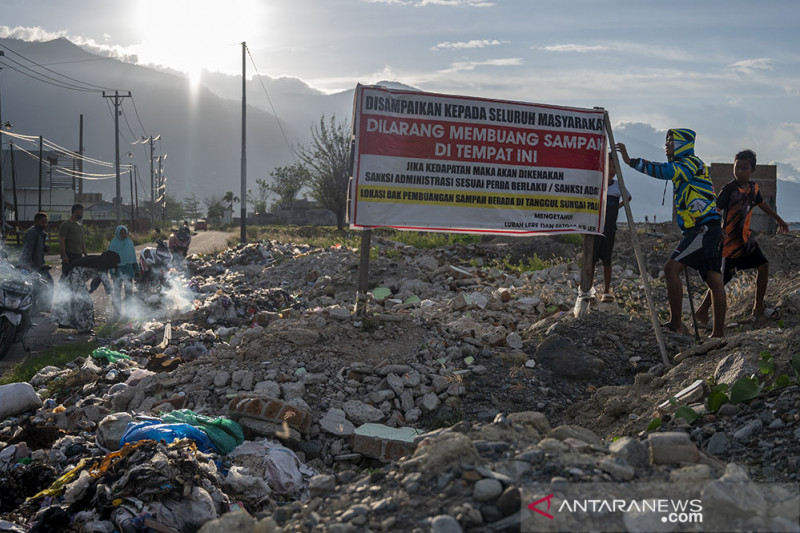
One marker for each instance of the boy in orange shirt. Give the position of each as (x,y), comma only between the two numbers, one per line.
(740,251)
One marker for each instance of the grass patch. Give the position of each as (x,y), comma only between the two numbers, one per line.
(532,264)
(55,356)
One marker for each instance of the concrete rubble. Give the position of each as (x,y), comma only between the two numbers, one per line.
(460,386)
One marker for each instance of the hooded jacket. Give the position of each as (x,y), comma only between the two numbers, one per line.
(128,266)
(692,190)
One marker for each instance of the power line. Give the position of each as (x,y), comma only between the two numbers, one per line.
(47,80)
(261,81)
(97,87)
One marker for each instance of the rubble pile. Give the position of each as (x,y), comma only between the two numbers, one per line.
(334,420)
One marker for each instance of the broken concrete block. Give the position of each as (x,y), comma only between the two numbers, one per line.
(270,410)
(383,442)
(672,447)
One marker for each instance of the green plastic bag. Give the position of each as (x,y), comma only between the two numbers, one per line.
(110,355)
(224,433)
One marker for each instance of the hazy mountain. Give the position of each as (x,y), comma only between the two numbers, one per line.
(200,131)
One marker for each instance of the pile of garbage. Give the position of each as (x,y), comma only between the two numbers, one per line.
(297,413)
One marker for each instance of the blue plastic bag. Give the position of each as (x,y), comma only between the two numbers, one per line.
(157,431)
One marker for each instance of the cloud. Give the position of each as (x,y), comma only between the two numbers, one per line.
(423,3)
(475,43)
(750,66)
(460,66)
(30,34)
(787,171)
(581,48)
(37,33)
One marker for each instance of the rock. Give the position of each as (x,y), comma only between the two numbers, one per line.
(557,353)
(321,485)
(335,423)
(440,451)
(514,341)
(717,444)
(221,378)
(509,501)
(576,432)
(728,410)
(292,390)
(746,433)
(396,383)
(110,430)
(733,367)
(430,401)
(634,453)
(531,418)
(487,490)
(445,524)
(618,469)
(691,475)
(362,413)
(732,496)
(672,447)
(268,388)
(236,522)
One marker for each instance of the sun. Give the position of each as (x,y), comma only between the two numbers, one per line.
(192,36)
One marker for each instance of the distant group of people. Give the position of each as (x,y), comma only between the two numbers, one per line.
(717,240)
(115,269)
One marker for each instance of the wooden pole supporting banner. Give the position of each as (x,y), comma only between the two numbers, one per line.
(363,273)
(636,248)
(587,277)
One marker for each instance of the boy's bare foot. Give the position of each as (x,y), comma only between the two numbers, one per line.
(679,327)
(758,310)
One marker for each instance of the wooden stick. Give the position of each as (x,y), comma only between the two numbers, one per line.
(636,248)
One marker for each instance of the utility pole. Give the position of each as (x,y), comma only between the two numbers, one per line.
(151,141)
(243,193)
(80,162)
(40,174)
(130,170)
(2,195)
(162,188)
(136,188)
(117,101)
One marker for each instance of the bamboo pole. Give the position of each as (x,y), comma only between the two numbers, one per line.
(637,249)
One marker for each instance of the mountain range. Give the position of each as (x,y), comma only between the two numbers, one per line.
(200,124)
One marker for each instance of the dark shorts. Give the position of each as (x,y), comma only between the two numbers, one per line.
(754,259)
(699,249)
(604,244)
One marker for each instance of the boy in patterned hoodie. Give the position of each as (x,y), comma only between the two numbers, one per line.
(698,219)
(740,251)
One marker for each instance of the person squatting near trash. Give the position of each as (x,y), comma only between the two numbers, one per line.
(698,220)
(128,268)
(72,304)
(604,244)
(740,251)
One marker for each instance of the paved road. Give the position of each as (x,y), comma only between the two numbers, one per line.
(44,335)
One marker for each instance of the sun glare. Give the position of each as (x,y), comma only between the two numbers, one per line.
(199,34)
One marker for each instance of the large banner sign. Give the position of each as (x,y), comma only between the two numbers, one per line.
(435,162)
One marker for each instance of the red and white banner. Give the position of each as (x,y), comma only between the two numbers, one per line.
(435,162)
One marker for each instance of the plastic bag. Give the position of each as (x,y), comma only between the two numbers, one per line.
(110,355)
(158,431)
(224,433)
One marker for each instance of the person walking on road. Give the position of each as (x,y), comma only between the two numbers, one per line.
(71,238)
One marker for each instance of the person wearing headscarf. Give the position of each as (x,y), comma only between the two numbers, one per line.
(127,269)
(72,305)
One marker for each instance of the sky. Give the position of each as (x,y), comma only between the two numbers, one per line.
(728,69)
